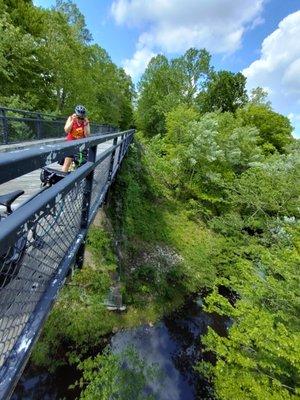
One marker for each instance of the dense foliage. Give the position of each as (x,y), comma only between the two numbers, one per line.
(166,84)
(225,92)
(190,80)
(49,63)
(120,376)
(232,163)
(213,201)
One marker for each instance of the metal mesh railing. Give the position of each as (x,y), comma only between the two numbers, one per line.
(21,129)
(37,252)
(29,265)
(19,126)
(50,129)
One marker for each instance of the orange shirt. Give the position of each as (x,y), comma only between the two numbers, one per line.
(78,129)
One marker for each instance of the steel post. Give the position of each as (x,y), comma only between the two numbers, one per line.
(38,127)
(121,149)
(112,160)
(4,126)
(86,205)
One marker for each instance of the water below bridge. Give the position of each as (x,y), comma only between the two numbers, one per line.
(173,344)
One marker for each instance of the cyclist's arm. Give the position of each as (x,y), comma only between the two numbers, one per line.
(68,125)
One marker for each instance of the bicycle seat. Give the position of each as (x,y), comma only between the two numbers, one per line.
(7,199)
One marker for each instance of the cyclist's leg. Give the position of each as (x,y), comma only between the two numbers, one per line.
(67,163)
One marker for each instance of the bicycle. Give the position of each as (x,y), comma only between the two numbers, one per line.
(11,260)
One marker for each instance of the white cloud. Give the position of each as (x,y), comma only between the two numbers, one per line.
(211,23)
(294,117)
(278,67)
(136,65)
(175,25)
(291,77)
(257,22)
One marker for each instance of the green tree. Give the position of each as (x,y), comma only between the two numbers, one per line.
(195,70)
(258,262)
(108,91)
(207,157)
(21,70)
(177,121)
(159,90)
(64,57)
(47,63)
(75,19)
(126,94)
(165,85)
(275,130)
(225,91)
(260,357)
(259,96)
(25,16)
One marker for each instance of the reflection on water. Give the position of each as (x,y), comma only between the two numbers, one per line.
(173,344)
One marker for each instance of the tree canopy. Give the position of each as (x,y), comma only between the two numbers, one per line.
(232,164)
(49,63)
(275,130)
(225,91)
(191,80)
(166,84)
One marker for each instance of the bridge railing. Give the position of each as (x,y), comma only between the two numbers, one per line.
(20,125)
(43,238)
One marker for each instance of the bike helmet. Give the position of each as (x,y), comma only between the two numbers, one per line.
(80,111)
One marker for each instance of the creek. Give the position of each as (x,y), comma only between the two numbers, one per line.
(173,344)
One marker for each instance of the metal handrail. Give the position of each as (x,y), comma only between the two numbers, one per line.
(14,164)
(74,194)
(20,111)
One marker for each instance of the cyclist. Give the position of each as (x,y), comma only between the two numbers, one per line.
(76,127)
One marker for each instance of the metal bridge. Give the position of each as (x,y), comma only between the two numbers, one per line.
(44,237)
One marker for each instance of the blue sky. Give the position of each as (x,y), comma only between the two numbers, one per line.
(258,37)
